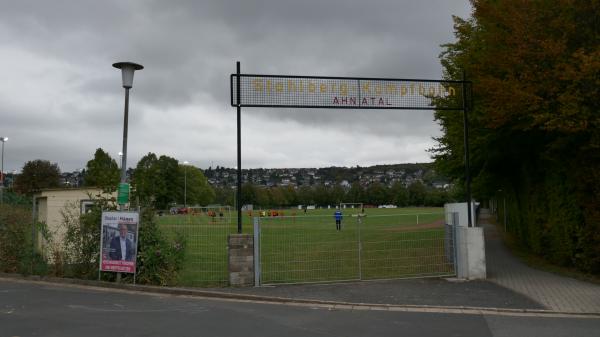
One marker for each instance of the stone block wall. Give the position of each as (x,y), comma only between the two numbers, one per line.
(241,260)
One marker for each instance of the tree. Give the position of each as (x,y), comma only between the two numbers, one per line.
(338,195)
(535,120)
(356,193)
(322,195)
(306,195)
(277,197)
(263,197)
(199,192)
(376,194)
(156,181)
(143,182)
(36,175)
(399,194)
(416,194)
(102,171)
(224,195)
(248,194)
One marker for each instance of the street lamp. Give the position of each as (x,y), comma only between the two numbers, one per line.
(3,140)
(127,70)
(120,158)
(185,163)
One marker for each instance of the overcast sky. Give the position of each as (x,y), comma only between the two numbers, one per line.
(60,98)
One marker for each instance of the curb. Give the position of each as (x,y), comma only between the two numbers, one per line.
(331,305)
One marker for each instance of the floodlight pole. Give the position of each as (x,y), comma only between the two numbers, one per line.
(466,142)
(239,152)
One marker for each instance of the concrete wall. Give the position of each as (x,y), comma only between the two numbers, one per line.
(470,243)
(461,209)
(241,260)
(470,253)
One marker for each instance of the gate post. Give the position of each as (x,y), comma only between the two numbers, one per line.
(241,260)
(256,251)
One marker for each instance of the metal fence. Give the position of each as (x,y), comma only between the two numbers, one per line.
(301,249)
(205,246)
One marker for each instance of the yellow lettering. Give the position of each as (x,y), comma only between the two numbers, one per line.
(378,89)
(279,86)
(403,90)
(366,87)
(301,86)
(311,87)
(431,91)
(333,88)
(451,91)
(323,87)
(412,89)
(421,90)
(291,87)
(268,86)
(344,89)
(390,89)
(258,85)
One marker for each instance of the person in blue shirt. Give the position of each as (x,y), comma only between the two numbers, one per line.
(338,219)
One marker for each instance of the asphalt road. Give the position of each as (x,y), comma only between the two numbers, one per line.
(40,309)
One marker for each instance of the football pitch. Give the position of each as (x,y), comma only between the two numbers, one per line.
(298,246)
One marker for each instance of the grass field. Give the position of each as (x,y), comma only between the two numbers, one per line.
(305,247)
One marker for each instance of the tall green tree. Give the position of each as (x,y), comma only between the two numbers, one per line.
(249,193)
(376,194)
(102,171)
(143,180)
(399,194)
(416,194)
(36,175)
(356,193)
(194,187)
(156,181)
(535,122)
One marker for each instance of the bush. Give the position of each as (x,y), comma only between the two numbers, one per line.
(159,258)
(80,250)
(17,254)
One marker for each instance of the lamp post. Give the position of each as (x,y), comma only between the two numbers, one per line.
(185,164)
(127,70)
(3,140)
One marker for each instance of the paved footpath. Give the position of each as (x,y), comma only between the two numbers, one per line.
(557,293)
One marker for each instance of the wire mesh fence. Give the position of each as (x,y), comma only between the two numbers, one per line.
(300,249)
(205,233)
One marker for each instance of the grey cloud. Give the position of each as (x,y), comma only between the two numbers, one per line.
(189,48)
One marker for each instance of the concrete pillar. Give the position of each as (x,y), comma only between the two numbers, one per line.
(241,260)
(470,253)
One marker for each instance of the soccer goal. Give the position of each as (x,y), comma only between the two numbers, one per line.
(352,207)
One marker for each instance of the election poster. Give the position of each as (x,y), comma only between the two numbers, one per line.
(118,241)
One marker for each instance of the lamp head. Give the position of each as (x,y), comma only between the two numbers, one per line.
(127,70)
(3,139)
